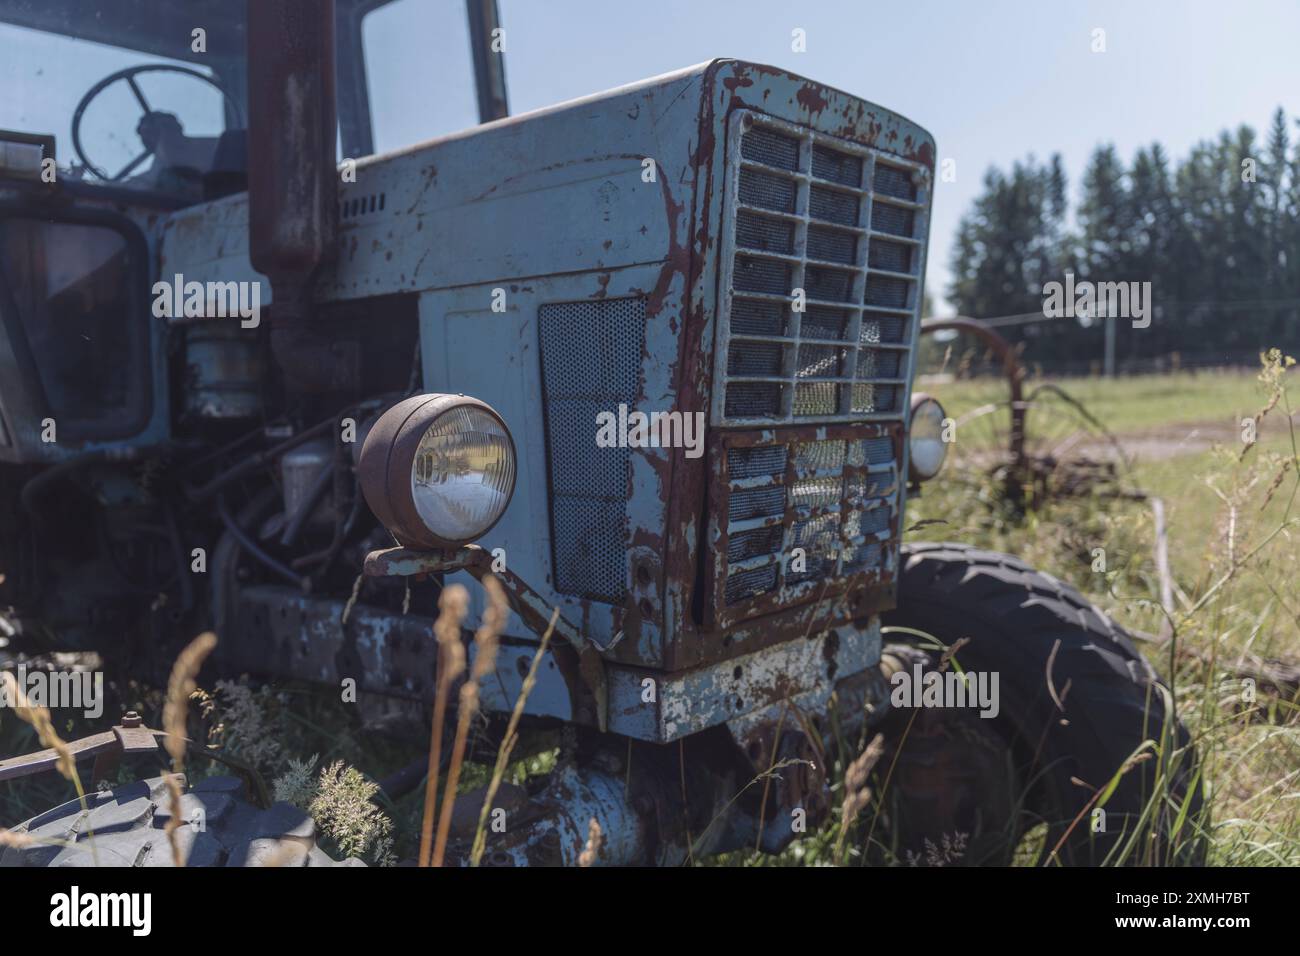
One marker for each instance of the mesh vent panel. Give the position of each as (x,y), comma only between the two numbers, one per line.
(760,317)
(892,219)
(836,166)
(762,275)
(833,206)
(761,232)
(752,462)
(591,363)
(891,256)
(832,245)
(896,182)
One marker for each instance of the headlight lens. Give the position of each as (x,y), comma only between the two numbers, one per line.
(463,473)
(925,439)
(438,470)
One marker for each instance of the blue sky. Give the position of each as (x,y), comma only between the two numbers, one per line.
(993,80)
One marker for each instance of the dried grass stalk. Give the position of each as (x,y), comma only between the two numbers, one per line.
(181,685)
(595,839)
(452,606)
(15,840)
(856,792)
(39,719)
(508,742)
(486,641)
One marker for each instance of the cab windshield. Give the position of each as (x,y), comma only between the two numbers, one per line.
(151,95)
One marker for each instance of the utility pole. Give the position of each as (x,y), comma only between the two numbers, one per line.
(1109,368)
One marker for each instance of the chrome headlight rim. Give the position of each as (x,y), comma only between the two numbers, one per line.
(388,457)
(915,474)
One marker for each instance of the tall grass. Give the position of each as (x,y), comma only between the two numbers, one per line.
(1233,514)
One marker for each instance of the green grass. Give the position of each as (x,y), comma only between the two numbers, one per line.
(1198,492)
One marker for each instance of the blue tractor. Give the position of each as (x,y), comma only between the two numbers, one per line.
(644,357)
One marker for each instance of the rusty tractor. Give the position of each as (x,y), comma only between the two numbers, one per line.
(645,358)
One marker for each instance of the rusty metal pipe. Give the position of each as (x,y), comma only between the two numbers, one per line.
(292,178)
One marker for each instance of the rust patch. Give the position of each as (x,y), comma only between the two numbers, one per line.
(736,81)
(924,155)
(678,261)
(810,98)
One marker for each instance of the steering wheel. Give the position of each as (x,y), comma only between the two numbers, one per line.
(152,122)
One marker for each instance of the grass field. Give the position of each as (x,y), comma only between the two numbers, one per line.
(1129,404)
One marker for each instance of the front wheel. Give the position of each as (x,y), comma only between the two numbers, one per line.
(1078,735)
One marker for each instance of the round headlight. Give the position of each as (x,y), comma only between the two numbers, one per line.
(438,470)
(926,446)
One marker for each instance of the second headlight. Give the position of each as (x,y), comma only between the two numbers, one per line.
(926,446)
(438,470)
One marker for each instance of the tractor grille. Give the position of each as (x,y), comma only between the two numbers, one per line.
(797,512)
(810,402)
(845,224)
(591,363)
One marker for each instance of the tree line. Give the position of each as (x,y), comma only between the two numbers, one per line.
(1217,235)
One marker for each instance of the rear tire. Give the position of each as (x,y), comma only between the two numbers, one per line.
(1019,621)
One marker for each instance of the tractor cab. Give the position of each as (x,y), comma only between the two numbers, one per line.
(151,103)
(153,98)
(113,122)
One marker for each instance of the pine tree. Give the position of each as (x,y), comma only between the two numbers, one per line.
(1217,236)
